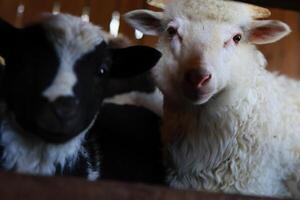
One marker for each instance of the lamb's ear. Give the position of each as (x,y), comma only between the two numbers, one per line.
(132,61)
(7,37)
(146,21)
(2,67)
(267,31)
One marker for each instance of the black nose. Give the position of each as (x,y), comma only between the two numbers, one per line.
(66,107)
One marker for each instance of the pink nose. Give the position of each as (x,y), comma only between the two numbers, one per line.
(197,79)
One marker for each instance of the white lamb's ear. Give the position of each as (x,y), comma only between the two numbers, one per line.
(146,21)
(267,31)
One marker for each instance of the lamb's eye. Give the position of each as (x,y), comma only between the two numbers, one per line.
(237,38)
(172,31)
(102,70)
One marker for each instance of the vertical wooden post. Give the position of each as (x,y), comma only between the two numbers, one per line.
(20,14)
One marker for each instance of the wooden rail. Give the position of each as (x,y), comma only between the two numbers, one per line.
(15,187)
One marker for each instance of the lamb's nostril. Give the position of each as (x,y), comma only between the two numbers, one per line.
(196,79)
(66,107)
(204,80)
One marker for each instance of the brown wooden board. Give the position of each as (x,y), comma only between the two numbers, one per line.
(17,187)
(34,9)
(101,12)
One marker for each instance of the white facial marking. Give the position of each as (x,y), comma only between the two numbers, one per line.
(72,39)
(65,79)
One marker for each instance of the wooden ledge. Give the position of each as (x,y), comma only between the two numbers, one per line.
(15,187)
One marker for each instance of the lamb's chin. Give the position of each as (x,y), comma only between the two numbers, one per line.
(202,100)
(55,138)
(198,98)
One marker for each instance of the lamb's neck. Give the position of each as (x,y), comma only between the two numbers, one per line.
(207,133)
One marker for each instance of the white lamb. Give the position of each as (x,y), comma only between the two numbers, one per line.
(229,124)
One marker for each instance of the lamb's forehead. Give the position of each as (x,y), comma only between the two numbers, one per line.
(217,10)
(73,32)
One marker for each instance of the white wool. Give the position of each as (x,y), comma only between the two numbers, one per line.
(152,101)
(218,10)
(246,137)
(245,140)
(70,32)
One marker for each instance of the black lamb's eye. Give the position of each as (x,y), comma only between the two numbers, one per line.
(102,70)
(237,38)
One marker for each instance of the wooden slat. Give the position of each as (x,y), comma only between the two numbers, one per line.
(101,12)
(15,187)
(8,10)
(73,7)
(34,9)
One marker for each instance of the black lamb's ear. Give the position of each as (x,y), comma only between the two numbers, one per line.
(2,68)
(8,37)
(7,40)
(132,61)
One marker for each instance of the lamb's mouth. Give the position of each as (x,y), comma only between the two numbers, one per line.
(197,96)
(51,129)
(34,131)
(59,138)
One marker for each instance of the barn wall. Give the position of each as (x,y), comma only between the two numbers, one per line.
(283,56)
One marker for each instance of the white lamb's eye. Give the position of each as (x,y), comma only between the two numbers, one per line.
(172,31)
(237,38)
